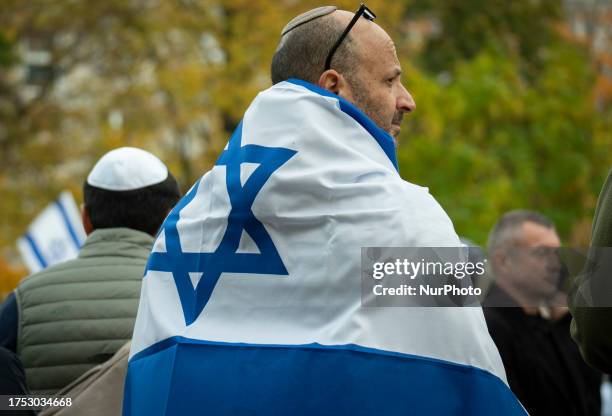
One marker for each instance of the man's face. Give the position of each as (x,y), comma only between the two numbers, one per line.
(375,85)
(535,265)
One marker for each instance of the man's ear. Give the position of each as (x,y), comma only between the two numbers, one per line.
(334,82)
(86,220)
(501,261)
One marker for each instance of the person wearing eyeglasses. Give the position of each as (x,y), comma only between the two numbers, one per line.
(252,296)
(358,62)
(528,322)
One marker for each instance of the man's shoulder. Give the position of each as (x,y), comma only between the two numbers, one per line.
(505,323)
(49,272)
(501,312)
(497,315)
(81,270)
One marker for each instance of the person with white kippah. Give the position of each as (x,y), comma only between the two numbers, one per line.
(68,318)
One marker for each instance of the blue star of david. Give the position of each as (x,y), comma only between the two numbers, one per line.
(225,259)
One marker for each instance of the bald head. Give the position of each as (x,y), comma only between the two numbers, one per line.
(364,69)
(307,39)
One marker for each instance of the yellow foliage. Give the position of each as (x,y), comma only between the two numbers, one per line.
(9,277)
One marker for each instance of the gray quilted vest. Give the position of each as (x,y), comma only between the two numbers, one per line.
(77,314)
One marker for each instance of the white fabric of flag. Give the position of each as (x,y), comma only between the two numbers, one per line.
(251,300)
(54,236)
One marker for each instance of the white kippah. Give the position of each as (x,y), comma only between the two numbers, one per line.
(127,168)
(307,17)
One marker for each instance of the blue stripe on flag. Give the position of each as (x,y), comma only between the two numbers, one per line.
(382,137)
(35,250)
(68,224)
(180,376)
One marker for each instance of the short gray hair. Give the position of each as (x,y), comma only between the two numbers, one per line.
(304,46)
(505,230)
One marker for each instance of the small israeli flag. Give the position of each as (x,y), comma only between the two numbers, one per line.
(251,300)
(54,236)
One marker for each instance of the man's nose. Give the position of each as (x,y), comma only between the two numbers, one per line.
(405,102)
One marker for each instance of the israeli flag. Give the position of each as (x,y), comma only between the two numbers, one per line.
(55,236)
(251,300)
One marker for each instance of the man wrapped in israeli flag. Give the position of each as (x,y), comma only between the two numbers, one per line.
(251,300)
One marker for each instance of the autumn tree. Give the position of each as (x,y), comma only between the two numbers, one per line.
(504,113)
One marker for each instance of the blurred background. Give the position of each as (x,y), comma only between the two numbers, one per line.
(514,99)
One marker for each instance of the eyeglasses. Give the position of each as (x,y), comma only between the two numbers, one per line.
(363,11)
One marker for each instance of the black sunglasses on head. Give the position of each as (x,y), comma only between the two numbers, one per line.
(363,11)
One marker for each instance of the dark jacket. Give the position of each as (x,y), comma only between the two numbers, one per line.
(543,365)
(592,326)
